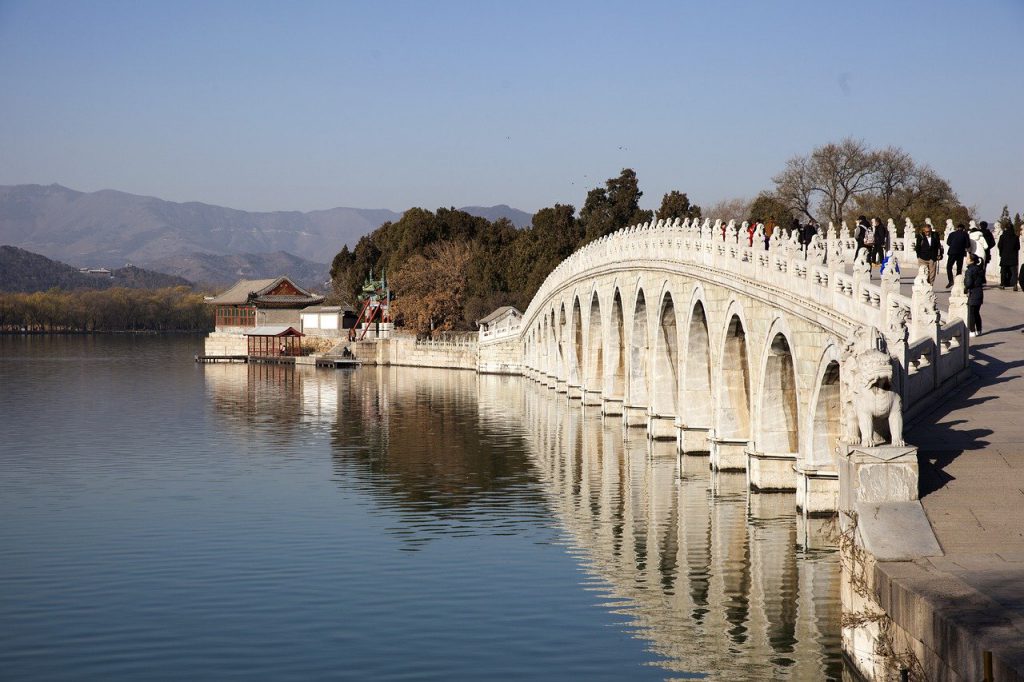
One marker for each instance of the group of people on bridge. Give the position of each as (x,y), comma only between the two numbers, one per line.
(874,240)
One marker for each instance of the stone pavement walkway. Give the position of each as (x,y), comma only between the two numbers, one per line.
(971,453)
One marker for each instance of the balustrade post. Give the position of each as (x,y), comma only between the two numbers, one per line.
(948,231)
(909,241)
(994,266)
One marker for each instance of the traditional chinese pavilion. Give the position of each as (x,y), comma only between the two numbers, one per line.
(274,341)
(261,303)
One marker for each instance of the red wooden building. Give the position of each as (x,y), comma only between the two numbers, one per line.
(261,302)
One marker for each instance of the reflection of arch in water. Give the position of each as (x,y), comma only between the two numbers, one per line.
(689,568)
(776,574)
(697,401)
(637,399)
(732,403)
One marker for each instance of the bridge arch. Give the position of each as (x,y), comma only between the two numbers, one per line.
(732,399)
(777,417)
(697,400)
(823,424)
(594,380)
(563,370)
(576,357)
(552,346)
(545,359)
(639,349)
(665,384)
(615,367)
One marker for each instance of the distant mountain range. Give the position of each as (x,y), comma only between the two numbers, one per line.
(216,271)
(108,228)
(24,271)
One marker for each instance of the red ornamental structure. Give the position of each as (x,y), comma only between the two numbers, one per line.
(374,305)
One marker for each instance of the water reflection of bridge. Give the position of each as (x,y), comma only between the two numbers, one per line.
(713,576)
(716,578)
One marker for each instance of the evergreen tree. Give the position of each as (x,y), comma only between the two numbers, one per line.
(614,206)
(676,204)
(1004,217)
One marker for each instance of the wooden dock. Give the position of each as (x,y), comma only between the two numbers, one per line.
(222,358)
(325,362)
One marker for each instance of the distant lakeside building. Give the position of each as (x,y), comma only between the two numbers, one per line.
(270,317)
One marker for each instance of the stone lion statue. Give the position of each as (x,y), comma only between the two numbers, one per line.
(872,404)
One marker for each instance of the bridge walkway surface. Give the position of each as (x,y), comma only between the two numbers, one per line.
(971,457)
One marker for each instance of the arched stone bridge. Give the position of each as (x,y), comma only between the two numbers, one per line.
(735,351)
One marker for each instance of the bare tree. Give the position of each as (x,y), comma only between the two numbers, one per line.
(842,171)
(887,183)
(737,208)
(895,174)
(796,186)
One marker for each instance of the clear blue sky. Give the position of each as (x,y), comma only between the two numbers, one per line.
(273,105)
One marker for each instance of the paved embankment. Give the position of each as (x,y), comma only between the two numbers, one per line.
(971,450)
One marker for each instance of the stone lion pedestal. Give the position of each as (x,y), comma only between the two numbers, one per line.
(881,520)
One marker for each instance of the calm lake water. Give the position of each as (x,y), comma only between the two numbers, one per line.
(163,520)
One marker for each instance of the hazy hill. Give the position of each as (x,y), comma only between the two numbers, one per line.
(25,271)
(206,268)
(492,213)
(110,227)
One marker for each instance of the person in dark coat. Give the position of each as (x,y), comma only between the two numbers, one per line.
(881,247)
(957,244)
(807,233)
(974,285)
(929,251)
(862,234)
(1009,248)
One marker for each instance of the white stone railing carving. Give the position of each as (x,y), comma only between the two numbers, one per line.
(782,269)
(930,347)
(500,334)
(461,341)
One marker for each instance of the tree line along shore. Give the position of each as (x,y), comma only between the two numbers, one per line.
(169,309)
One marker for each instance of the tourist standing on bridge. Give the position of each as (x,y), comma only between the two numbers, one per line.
(881,237)
(956,248)
(865,238)
(807,233)
(929,251)
(974,285)
(1009,248)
